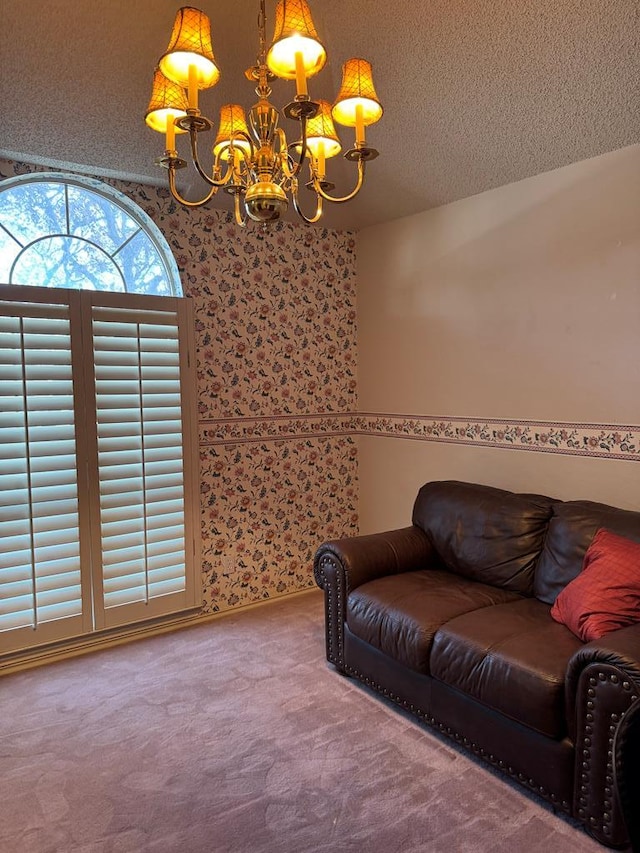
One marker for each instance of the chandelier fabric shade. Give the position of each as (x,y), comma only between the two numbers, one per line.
(168,101)
(357,90)
(233,126)
(294,36)
(321,133)
(190,47)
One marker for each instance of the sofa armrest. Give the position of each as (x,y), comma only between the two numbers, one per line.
(365,558)
(342,565)
(619,650)
(603,681)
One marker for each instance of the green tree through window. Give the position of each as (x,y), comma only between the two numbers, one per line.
(59,230)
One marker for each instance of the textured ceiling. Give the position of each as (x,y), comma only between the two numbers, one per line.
(477,93)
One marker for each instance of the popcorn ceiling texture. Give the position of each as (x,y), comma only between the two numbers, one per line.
(275,337)
(477,94)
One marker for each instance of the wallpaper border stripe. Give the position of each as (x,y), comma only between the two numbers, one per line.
(241,430)
(605,441)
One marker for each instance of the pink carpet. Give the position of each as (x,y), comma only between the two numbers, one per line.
(237,737)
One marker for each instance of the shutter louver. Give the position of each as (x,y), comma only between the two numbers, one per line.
(140,455)
(40,576)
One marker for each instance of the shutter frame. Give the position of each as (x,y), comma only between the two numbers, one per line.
(169,527)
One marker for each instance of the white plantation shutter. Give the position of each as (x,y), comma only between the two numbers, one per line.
(139,425)
(98,498)
(41,575)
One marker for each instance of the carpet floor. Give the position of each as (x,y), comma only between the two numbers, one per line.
(236,736)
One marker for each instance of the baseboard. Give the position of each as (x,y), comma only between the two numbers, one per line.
(54,652)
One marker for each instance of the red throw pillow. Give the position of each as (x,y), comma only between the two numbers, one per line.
(606,594)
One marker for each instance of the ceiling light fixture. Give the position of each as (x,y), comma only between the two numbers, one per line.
(258,167)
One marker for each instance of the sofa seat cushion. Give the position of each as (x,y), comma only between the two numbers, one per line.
(399,614)
(512,658)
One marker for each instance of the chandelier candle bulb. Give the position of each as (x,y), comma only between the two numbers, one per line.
(301,77)
(170,135)
(360,132)
(321,163)
(192,97)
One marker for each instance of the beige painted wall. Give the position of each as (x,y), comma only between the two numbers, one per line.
(522,303)
(392,471)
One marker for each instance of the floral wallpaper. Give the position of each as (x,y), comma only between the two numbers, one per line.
(276,338)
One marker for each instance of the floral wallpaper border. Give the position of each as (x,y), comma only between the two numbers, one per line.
(283,427)
(608,441)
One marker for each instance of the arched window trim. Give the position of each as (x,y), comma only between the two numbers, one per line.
(115,197)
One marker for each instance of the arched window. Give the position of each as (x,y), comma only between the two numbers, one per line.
(60,230)
(99,505)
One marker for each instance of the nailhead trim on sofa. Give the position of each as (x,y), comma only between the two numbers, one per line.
(335,641)
(600,822)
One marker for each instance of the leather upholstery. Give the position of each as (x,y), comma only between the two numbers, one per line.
(417,615)
(511,658)
(343,565)
(543,765)
(378,555)
(400,614)
(485,534)
(571,529)
(620,650)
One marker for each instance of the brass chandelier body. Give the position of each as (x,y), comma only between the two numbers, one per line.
(255,163)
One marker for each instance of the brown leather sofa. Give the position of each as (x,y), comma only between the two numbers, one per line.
(450,619)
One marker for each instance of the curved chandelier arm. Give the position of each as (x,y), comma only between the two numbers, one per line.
(240,219)
(174,192)
(307,219)
(239,165)
(288,170)
(317,186)
(213,182)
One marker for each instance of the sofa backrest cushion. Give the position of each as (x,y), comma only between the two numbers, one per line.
(485,534)
(571,529)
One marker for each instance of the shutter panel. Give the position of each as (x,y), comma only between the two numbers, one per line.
(140,461)
(98,462)
(41,595)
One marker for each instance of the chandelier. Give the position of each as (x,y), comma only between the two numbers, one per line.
(258,167)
